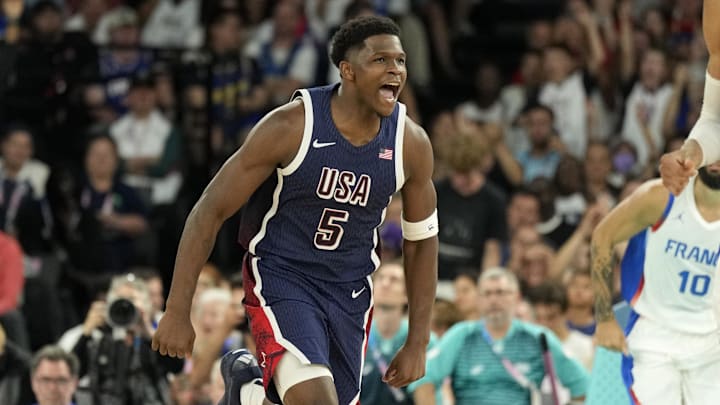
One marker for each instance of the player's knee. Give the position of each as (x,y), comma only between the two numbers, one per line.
(306,384)
(318,391)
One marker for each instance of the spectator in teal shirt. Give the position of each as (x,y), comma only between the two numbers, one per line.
(470,353)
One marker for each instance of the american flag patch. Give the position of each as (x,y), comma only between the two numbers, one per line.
(385,153)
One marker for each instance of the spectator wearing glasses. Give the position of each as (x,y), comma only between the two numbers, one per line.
(497,360)
(54,374)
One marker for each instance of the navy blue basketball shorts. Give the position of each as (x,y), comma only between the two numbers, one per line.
(317,321)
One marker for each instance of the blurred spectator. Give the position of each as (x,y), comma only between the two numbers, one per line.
(480,355)
(466,294)
(14,364)
(580,302)
(121,58)
(238,95)
(87,17)
(445,314)
(155,287)
(520,94)
(148,146)
(575,251)
(173,24)
(210,313)
(502,168)
(49,68)
(654,23)
(288,58)
(10,14)
(54,374)
(470,209)
(570,203)
(108,215)
(11,287)
(521,239)
(597,170)
(646,106)
(549,302)
(210,277)
(536,264)
(564,93)
(524,311)
(624,162)
(552,228)
(542,157)
(486,107)
(24,212)
(539,35)
(182,392)
(523,209)
(117,358)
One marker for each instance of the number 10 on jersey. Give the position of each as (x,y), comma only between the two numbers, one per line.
(330,230)
(698,283)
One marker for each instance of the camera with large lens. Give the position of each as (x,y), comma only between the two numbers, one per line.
(122,313)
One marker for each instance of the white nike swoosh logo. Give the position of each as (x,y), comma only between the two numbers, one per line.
(317,144)
(356,294)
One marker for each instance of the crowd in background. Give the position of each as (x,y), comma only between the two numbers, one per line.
(114,115)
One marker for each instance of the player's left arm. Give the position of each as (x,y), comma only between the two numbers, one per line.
(420,246)
(420,253)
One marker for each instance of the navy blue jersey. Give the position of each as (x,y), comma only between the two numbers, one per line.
(319,215)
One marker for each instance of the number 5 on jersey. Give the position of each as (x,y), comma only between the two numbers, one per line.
(330,231)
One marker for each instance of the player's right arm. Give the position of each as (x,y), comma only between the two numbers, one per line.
(642,209)
(703,145)
(272,143)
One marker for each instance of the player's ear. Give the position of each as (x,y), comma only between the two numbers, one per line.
(346,70)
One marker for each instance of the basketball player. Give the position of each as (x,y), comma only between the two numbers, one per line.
(703,145)
(668,277)
(315,176)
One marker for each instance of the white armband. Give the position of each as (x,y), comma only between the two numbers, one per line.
(705,130)
(420,230)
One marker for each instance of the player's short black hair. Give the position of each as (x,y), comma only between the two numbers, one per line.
(357,30)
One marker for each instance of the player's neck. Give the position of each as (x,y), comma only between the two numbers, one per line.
(707,201)
(358,123)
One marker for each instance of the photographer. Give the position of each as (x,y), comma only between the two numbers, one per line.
(116,361)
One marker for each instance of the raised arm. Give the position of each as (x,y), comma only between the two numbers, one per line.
(420,252)
(639,211)
(703,146)
(272,143)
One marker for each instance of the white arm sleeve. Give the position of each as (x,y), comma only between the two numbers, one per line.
(706,130)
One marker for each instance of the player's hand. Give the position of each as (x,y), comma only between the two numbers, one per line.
(407,366)
(678,166)
(608,334)
(174,336)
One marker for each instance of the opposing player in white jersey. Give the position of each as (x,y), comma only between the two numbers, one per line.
(668,277)
(703,145)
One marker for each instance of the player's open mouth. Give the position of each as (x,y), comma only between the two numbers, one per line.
(389,91)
